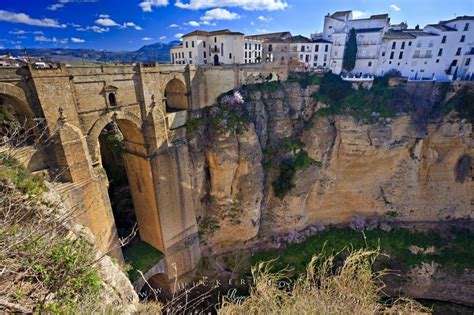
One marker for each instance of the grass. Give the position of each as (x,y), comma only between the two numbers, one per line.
(325,287)
(454,253)
(141,256)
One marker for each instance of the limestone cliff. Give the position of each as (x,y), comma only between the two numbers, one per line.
(414,166)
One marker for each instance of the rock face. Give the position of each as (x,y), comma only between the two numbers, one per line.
(392,169)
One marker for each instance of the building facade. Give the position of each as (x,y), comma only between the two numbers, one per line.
(216,47)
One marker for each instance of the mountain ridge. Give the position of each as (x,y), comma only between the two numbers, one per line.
(148,53)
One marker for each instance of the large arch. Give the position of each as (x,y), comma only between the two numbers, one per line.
(138,171)
(176,98)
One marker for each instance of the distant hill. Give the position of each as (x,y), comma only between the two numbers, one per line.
(148,53)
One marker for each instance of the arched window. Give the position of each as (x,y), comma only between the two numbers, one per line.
(112,99)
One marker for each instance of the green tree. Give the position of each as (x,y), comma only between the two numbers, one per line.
(350,53)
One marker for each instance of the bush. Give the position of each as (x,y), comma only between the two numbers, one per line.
(304,79)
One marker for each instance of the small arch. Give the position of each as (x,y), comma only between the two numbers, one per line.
(175,96)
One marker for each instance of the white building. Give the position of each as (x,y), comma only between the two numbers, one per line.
(252,50)
(369,35)
(216,47)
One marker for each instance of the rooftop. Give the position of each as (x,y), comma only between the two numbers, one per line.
(391,34)
(270,35)
(212,33)
(442,27)
(369,30)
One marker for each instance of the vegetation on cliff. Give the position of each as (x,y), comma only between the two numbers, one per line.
(43,266)
(453,250)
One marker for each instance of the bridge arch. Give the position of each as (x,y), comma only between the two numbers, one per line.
(132,192)
(175,96)
(14,106)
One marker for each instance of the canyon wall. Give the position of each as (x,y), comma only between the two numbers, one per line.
(401,168)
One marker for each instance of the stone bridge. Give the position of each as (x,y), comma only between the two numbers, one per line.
(150,105)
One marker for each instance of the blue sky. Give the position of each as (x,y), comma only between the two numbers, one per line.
(130,24)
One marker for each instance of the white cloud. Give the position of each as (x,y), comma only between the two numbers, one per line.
(61,3)
(219,14)
(269,5)
(38,33)
(106,21)
(162,37)
(94,28)
(147,39)
(262,30)
(22,18)
(17,32)
(132,25)
(193,23)
(179,35)
(360,14)
(208,23)
(147,5)
(264,18)
(77,40)
(395,7)
(173,25)
(51,40)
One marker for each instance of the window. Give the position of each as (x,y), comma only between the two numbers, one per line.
(245,47)
(302,48)
(400,56)
(205,55)
(403,45)
(205,61)
(458,52)
(391,55)
(317,48)
(417,54)
(466,27)
(437,60)
(370,63)
(428,54)
(394,45)
(430,44)
(215,39)
(256,47)
(468,61)
(245,54)
(270,47)
(112,99)
(204,44)
(315,57)
(325,57)
(187,44)
(326,48)
(383,53)
(190,54)
(222,49)
(230,56)
(440,52)
(307,59)
(190,62)
(301,57)
(418,44)
(324,64)
(409,43)
(443,40)
(463,38)
(192,44)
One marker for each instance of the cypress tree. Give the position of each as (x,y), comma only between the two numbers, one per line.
(350,52)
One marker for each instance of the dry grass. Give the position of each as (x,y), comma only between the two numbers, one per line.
(351,288)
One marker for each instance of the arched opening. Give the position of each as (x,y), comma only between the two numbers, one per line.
(16,120)
(112,99)
(216,60)
(124,161)
(175,96)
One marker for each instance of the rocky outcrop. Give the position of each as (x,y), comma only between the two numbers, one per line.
(395,169)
